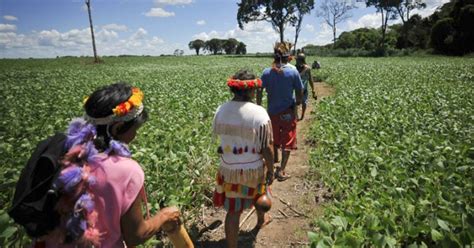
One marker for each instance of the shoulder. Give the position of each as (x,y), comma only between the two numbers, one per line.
(123,167)
(257,108)
(267,71)
(223,107)
(259,112)
(291,71)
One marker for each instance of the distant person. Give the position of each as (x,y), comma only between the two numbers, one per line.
(305,73)
(246,154)
(282,83)
(101,186)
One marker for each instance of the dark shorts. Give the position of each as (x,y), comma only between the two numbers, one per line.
(284,129)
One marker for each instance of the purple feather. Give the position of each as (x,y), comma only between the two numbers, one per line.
(91,180)
(78,132)
(76,226)
(84,202)
(70,177)
(118,148)
(91,153)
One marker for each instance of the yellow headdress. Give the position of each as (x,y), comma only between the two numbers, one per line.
(282,49)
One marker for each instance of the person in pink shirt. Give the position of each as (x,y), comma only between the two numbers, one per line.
(101,186)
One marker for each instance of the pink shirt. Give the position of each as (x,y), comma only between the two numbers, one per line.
(119,181)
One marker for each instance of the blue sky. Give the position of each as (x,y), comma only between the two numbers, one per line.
(50,28)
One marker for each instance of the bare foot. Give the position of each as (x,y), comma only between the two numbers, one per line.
(267,219)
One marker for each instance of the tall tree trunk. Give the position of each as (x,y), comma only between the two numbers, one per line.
(197,52)
(282,29)
(296,40)
(334,33)
(88,3)
(384,28)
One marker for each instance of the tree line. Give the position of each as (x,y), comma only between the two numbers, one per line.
(218,46)
(449,30)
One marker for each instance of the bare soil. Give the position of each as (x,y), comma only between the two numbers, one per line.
(296,202)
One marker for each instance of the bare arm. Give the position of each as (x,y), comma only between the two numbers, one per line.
(136,230)
(259,96)
(311,82)
(299,96)
(267,153)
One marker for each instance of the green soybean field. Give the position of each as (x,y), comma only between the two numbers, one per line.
(394,144)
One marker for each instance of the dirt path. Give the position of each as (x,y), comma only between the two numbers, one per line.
(290,224)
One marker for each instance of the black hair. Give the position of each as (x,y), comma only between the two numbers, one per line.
(300,66)
(280,59)
(243,74)
(101,104)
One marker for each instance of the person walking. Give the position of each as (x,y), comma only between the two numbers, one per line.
(101,186)
(305,74)
(284,90)
(246,154)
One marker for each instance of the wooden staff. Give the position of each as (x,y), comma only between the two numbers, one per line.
(178,235)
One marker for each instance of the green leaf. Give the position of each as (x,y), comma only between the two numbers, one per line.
(339,221)
(325,227)
(326,242)
(435,235)
(8,232)
(443,224)
(313,237)
(378,240)
(373,172)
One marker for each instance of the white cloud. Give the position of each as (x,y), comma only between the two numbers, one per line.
(173,2)
(158,12)
(431,6)
(7,27)
(201,22)
(115,27)
(10,18)
(309,27)
(139,35)
(77,42)
(367,21)
(156,41)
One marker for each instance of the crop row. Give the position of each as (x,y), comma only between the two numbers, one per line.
(395,144)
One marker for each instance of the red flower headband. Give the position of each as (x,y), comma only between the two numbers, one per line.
(244,84)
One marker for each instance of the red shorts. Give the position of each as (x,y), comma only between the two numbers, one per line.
(284,129)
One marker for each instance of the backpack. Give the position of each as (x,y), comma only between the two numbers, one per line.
(35,197)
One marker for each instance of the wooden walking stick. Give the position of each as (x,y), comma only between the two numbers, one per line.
(177,234)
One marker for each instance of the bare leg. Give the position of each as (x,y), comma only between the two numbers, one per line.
(285,155)
(303,111)
(232,220)
(275,154)
(263,219)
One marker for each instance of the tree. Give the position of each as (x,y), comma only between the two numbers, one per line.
(88,3)
(214,46)
(334,12)
(303,7)
(241,48)
(178,52)
(442,36)
(230,45)
(388,10)
(279,13)
(405,6)
(196,45)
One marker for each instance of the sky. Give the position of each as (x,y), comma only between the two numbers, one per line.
(50,28)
